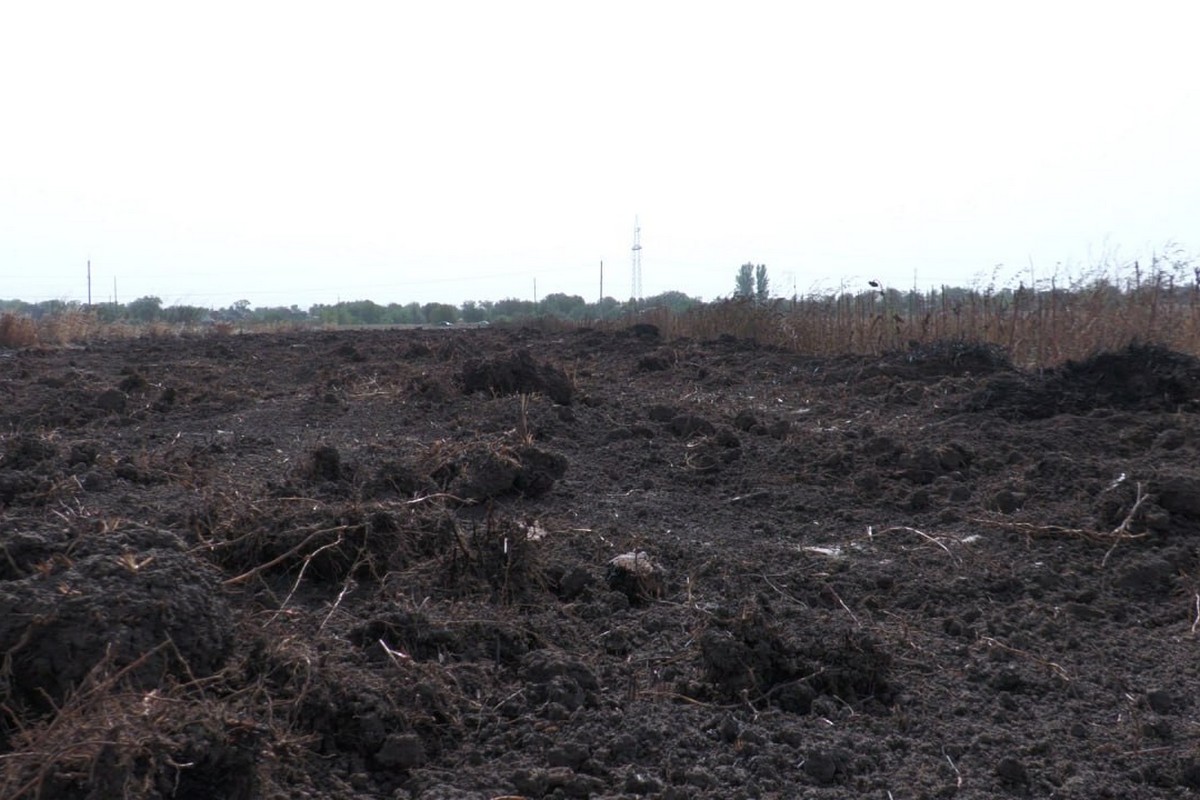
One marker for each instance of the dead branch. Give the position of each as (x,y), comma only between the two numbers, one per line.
(303,567)
(1121,532)
(245,576)
(931,539)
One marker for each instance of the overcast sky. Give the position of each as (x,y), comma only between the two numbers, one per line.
(444,151)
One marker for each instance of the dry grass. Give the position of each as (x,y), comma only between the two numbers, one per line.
(69,327)
(74,326)
(17,330)
(1036,328)
(1077,318)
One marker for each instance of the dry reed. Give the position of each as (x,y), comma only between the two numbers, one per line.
(1036,328)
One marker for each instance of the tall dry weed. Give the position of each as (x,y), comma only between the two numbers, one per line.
(1036,327)
(75,326)
(17,330)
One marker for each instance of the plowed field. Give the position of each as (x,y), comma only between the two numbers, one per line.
(476,563)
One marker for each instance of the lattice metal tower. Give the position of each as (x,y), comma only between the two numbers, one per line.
(637,260)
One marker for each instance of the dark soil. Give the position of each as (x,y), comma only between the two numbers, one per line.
(483,563)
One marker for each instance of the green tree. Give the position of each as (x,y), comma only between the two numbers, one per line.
(563,305)
(49,308)
(279,314)
(108,312)
(239,310)
(393,314)
(745,281)
(325,314)
(144,309)
(473,312)
(184,315)
(762,290)
(365,312)
(674,301)
(606,308)
(512,308)
(437,313)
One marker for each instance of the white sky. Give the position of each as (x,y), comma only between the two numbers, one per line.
(301,152)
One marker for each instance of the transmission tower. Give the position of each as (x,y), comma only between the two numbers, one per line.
(637,260)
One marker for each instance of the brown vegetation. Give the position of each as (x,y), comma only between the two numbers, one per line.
(1036,328)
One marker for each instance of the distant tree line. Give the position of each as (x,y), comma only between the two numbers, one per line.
(150,309)
(751,284)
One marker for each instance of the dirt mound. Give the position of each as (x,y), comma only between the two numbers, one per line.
(953,357)
(1140,377)
(517,373)
(129,601)
(26,451)
(789,663)
(484,471)
(1137,378)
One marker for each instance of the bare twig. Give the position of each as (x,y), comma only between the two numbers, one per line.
(303,568)
(524,434)
(1122,531)
(958,779)
(245,576)
(931,539)
(1056,668)
(425,498)
(770,583)
(842,603)
(1059,530)
(398,658)
(346,588)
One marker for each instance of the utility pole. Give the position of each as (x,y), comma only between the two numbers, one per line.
(89,283)
(637,260)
